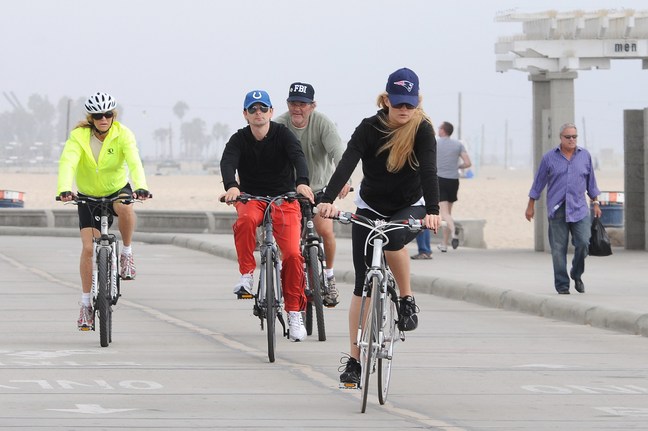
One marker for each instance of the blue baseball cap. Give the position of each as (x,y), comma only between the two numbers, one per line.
(403,87)
(257,96)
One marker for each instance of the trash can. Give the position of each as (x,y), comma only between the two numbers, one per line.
(11,199)
(611,208)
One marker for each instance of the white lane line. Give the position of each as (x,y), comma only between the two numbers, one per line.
(306,370)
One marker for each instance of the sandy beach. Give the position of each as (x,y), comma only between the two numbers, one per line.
(496,195)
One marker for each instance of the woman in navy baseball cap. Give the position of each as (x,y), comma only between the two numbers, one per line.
(398,152)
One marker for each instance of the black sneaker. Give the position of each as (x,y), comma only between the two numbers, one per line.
(351,373)
(408,319)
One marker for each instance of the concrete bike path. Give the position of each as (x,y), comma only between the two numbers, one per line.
(616,287)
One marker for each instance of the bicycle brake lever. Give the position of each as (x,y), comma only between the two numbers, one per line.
(415,224)
(344,217)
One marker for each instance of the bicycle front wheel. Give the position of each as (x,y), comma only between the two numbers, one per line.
(368,339)
(271,303)
(389,337)
(315,283)
(102,303)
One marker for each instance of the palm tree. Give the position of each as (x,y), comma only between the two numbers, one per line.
(193,134)
(161,136)
(180,109)
(220,132)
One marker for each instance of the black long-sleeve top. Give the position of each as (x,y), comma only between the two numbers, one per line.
(270,167)
(384,191)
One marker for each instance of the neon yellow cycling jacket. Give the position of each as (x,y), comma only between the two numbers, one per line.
(110,173)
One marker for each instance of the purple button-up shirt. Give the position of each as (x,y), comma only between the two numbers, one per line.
(566,181)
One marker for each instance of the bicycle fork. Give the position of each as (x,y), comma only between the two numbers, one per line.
(113,276)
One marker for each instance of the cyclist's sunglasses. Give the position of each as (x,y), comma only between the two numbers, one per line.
(108,114)
(406,105)
(253,109)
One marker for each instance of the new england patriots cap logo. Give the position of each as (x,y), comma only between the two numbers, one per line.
(405,84)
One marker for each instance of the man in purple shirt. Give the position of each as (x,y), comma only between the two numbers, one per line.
(567,172)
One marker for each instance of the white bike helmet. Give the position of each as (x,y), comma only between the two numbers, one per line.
(99,103)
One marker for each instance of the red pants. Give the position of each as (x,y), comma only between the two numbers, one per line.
(286,219)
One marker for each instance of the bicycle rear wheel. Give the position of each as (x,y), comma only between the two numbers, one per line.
(102,304)
(271,312)
(308,323)
(367,339)
(315,284)
(390,335)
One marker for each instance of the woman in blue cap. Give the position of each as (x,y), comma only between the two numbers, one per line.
(398,152)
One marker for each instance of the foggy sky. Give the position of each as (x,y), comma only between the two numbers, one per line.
(208,53)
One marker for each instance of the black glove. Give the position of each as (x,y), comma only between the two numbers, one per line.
(66,196)
(142,194)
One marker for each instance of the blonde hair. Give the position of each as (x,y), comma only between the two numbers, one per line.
(87,122)
(400,138)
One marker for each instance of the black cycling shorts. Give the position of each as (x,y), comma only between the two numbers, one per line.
(398,238)
(90,214)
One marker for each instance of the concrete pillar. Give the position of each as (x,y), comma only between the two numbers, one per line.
(635,148)
(553,105)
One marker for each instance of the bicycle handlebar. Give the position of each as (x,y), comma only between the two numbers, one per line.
(85,199)
(290,196)
(346,217)
(245,197)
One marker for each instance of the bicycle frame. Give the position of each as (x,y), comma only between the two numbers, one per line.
(268,304)
(270,300)
(376,332)
(314,264)
(109,242)
(105,289)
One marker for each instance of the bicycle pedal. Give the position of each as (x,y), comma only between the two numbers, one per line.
(349,386)
(244,296)
(85,328)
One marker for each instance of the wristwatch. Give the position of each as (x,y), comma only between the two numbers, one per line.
(596,203)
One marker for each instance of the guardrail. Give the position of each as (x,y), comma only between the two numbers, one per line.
(470,232)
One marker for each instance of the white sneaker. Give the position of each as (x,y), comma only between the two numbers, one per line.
(244,286)
(126,267)
(296,329)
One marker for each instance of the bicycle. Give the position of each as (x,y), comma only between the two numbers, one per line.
(377,334)
(317,284)
(268,301)
(314,263)
(105,291)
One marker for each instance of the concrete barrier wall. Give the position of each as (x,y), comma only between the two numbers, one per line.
(470,232)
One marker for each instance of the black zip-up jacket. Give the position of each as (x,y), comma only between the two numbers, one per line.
(384,191)
(270,167)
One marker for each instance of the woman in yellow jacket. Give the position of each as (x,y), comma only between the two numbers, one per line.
(96,156)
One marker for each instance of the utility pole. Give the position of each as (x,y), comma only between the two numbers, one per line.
(170,142)
(506,152)
(483,142)
(67,118)
(459,121)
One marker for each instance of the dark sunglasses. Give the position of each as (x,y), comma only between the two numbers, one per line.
(401,105)
(570,136)
(108,114)
(253,109)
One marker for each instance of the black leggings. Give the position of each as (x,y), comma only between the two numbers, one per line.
(397,240)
